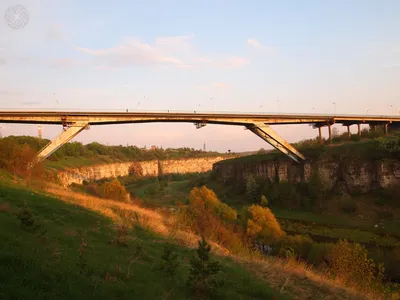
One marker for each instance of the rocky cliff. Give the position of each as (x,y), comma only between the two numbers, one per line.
(353,177)
(143,168)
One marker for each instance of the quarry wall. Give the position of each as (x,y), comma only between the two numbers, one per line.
(151,168)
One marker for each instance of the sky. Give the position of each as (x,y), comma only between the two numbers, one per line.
(237,56)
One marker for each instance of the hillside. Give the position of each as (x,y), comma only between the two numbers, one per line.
(75,254)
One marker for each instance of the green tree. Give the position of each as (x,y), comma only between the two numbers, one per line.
(169,261)
(252,189)
(203,271)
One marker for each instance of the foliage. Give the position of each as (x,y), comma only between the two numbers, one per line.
(114,153)
(115,190)
(351,262)
(390,144)
(252,189)
(263,225)
(17,159)
(264,201)
(169,261)
(202,198)
(26,217)
(202,275)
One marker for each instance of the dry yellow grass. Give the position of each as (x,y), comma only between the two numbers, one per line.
(291,277)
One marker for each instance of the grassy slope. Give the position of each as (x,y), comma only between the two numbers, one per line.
(40,266)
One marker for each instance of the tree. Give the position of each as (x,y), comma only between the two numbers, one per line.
(115,190)
(203,271)
(204,199)
(169,261)
(263,225)
(252,189)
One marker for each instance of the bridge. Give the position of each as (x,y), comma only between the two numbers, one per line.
(73,122)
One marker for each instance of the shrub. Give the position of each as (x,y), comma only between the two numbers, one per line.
(263,225)
(115,190)
(351,262)
(26,217)
(169,261)
(202,275)
(264,201)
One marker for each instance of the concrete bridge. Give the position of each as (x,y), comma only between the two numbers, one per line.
(74,122)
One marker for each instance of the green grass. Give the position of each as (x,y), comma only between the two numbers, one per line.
(73,162)
(44,264)
(363,149)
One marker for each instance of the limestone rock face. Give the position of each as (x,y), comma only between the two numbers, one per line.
(151,168)
(345,177)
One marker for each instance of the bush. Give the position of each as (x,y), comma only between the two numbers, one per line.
(26,218)
(264,201)
(115,190)
(169,261)
(201,199)
(351,263)
(263,225)
(203,271)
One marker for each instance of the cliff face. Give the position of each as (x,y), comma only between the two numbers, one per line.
(353,177)
(143,168)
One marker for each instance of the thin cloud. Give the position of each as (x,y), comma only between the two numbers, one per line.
(131,52)
(166,51)
(175,43)
(259,46)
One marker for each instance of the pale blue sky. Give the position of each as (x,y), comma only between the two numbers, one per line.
(250,56)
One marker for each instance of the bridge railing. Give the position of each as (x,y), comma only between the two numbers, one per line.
(211,112)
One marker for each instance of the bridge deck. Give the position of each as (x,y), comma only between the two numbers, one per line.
(99,118)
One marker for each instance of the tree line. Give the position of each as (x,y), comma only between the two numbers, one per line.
(95,149)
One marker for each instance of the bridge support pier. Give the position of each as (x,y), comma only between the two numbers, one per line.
(348,131)
(320,134)
(386,129)
(330,133)
(270,136)
(66,135)
(358,129)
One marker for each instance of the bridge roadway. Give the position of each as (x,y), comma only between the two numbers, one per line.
(74,122)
